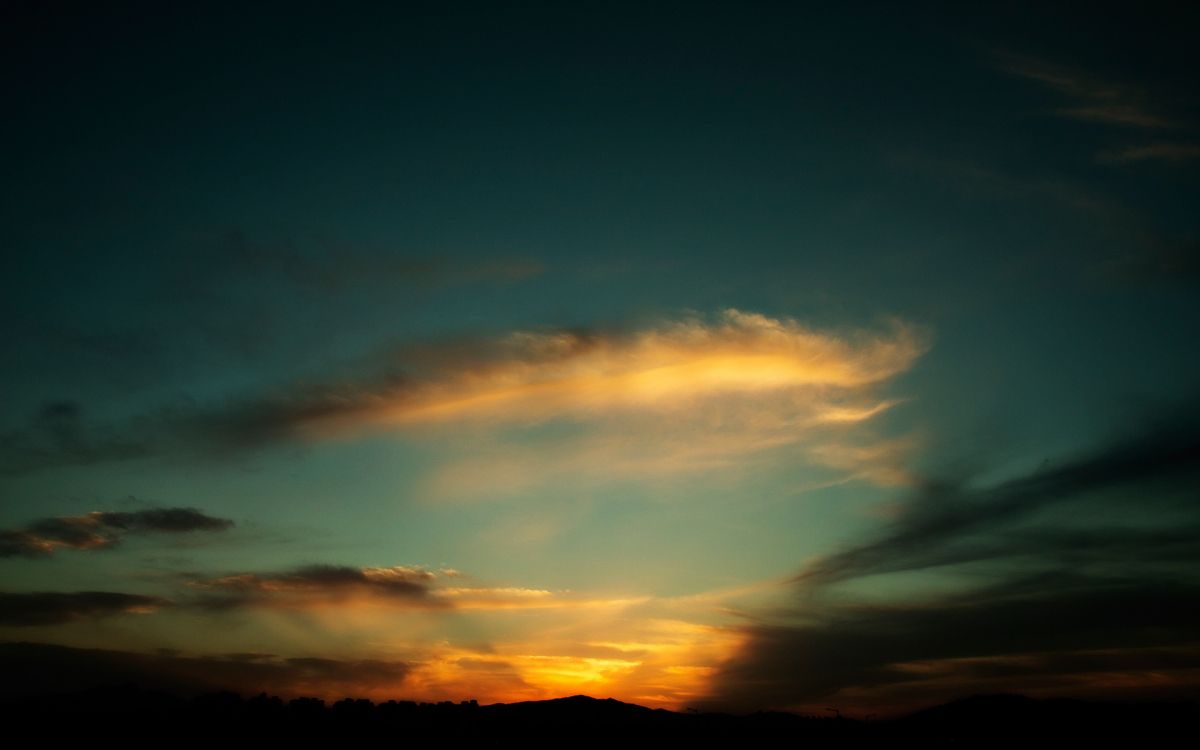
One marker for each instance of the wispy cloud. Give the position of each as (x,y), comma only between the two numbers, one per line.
(750,367)
(1041,573)
(1169,152)
(1035,190)
(102,530)
(943,522)
(1116,114)
(1095,100)
(57,435)
(316,587)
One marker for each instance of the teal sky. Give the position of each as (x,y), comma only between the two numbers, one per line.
(637,351)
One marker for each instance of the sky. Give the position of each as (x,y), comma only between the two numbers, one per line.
(728,356)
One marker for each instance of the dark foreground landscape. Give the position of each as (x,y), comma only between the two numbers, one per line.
(134,714)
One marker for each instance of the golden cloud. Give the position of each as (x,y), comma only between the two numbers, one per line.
(680,398)
(536,376)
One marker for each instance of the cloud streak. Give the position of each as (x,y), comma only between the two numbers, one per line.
(1168,152)
(41,608)
(756,364)
(102,530)
(399,586)
(947,523)
(315,585)
(1095,100)
(34,668)
(1054,570)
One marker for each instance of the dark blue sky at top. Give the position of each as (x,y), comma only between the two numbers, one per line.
(201,203)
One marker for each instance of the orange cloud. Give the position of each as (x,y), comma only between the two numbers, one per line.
(535,376)
(758,379)
(681,398)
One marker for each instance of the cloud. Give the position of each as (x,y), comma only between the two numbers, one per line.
(657,651)
(403,586)
(316,585)
(950,522)
(624,652)
(1116,114)
(515,597)
(1169,152)
(974,177)
(34,668)
(1096,100)
(746,361)
(57,436)
(1074,579)
(102,530)
(54,608)
(864,650)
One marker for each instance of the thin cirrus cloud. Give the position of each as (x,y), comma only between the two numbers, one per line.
(1093,100)
(103,530)
(759,373)
(1166,152)
(1099,603)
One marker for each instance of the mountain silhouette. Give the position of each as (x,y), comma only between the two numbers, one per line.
(980,721)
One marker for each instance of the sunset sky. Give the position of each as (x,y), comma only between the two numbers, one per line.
(704,355)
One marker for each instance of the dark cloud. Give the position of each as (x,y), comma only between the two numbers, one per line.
(866,647)
(947,523)
(163,519)
(1065,584)
(55,608)
(102,530)
(58,436)
(32,668)
(399,585)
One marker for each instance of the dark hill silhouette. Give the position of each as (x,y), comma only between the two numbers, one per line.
(981,721)
(1008,720)
(84,693)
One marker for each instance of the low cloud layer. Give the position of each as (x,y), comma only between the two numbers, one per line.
(102,530)
(56,608)
(316,584)
(398,586)
(34,668)
(1081,578)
